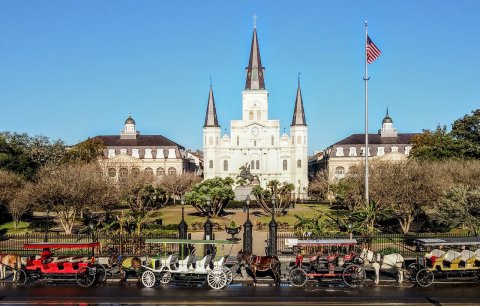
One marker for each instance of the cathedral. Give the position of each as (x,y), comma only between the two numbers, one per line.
(255,145)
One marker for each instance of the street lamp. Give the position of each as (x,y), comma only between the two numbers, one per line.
(246,205)
(45,238)
(350,234)
(91,225)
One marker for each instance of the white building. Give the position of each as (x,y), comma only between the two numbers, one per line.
(255,140)
(132,152)
(387,144)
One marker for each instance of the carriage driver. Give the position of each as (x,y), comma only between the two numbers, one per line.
(46,256)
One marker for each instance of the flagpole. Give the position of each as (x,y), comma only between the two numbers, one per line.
(366,78)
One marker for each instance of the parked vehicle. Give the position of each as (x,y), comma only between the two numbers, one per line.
(83,269)
(446,259)
(183,268)
(328,259)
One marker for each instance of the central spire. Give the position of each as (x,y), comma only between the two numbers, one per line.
(255,69)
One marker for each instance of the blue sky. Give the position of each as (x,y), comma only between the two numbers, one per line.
(76,69)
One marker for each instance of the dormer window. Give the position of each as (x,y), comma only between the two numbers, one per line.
(339,152)
(407,150)
(380,151)
(394,149)
(352,151)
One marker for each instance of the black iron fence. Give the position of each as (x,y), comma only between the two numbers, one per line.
(399,243)
(122,244)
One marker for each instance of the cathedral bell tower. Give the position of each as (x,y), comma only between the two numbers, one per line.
(211,139)
(298,134)
(255,97)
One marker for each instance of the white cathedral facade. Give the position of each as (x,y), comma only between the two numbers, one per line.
(255,140)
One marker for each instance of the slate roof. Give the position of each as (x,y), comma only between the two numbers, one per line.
(358,139)
(140,141)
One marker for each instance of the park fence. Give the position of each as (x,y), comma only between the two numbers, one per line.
(388,243)
(125,244)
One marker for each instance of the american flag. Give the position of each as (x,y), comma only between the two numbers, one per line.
(372,51)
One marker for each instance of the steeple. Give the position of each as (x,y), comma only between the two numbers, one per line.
(298,112)
(255,69)
(211,115)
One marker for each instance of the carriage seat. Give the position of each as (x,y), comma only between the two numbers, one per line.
(467,257)
(201,265)
(183,264)
(477,258)
(451,257)
(434,254)
(331,258)
(167,261)
(219,263)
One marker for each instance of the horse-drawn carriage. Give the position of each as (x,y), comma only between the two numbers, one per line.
(83,268)
(183,268)
(446,259)
(328,259)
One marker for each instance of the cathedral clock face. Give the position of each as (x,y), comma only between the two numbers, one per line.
(254,131)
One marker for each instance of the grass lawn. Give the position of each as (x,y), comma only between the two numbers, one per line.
(22,227)
(304,210)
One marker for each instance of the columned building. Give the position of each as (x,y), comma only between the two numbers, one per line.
(255,142)
(387,144)
(132,152)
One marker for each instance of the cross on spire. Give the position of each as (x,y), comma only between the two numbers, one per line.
(255,21)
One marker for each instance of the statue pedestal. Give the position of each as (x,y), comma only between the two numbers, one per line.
(241,192)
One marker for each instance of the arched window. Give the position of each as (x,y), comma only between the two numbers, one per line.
(112,172)
(339,172)
(254,143)
(258,164)
(210,164)
(273,141)
(285,165)
(149,170)
(259,115)
(225,165)
(123,173)
(172,171)
(135,171)
(210,140)
(252,165)
(238,141)
(299,163)
(299,139)
(160,171)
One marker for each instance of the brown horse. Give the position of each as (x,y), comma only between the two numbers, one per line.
(12,261)
(261,263)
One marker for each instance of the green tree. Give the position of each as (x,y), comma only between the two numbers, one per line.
(283,196)
(86,151)
(211,196)
(437,145)
(467,129)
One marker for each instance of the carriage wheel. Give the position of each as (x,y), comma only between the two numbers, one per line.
(85,276)
(21,277)
(217,279)
(166,278)
(412,271)
(298,277)
(424,277)
(229,274)
(101,273)
(354,275)
(148,279)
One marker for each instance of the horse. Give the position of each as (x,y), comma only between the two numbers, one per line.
(378,262)
(124,264)
(260,263)
(12,261)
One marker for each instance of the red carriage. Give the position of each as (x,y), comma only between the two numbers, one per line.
(84,269)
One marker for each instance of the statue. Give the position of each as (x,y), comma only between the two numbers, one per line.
(246,175)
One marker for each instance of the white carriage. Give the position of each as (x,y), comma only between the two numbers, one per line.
(184,268)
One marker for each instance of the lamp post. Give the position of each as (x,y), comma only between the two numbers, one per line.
(272,228)
(45,238)
(183,226)
(247,228)
(91,225)
(350,234)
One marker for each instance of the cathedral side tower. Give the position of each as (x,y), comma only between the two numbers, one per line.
(299,136)
(211,139)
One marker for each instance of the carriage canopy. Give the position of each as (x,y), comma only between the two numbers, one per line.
(188,241)
(319,242)
(457,241)
(58,245)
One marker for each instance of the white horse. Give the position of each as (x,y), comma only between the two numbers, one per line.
(379,262)
(12,261)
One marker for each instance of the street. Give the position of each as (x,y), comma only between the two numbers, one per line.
(238,295)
